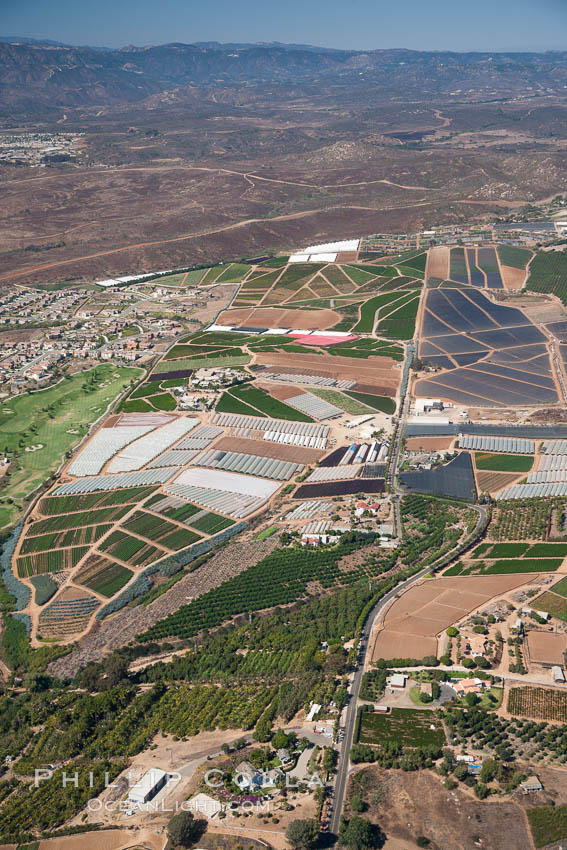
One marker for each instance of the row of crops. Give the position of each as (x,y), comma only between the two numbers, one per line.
(280,578)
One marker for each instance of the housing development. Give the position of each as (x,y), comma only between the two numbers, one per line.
(287,543)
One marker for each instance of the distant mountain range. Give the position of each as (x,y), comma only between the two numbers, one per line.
(39,77)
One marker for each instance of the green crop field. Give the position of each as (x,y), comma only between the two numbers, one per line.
(503,463)
(163,401)
(400,324)
(136,405)
(130,549)
(47,418)
(109,580)
(267,405)
(146,389)
(60,539)
(507,550)
(537,565)
(548,273)
(510,255)
(376,402)
(369,308)
(560,587)
(417,262)
(552,603)
(66,504)
(160,530)
(227,403)
(234,273)
(406,726)
(50,562)
(211,523)
(190,350)
(297,274)
(546,550)
(358,274)
(60,522)
(202,362)
(349,405)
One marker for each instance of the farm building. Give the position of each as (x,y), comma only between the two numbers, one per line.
(546,649)
(532,783)
(148,786)
(398,680)
(558,674)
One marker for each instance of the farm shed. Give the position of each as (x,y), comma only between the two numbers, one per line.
(148,786)
(398,680)
(532,783)
(558,674)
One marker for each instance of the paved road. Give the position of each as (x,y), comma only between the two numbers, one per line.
(344,763)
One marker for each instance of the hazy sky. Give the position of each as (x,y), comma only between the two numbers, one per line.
(356,24)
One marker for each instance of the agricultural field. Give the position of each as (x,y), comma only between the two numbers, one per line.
(542,703)
(103,576)
(160,530)
(406,726)
(521,519)
(503,462)
(548,273)
(57,419)
(516,258)
(53,561)
(130,550)
(376,402)
(553,603)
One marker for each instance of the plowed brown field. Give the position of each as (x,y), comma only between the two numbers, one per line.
(378,374)
(425,610)
(279,317)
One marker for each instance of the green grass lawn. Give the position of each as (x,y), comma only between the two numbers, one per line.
(503,463)
(56,418)
(407,726)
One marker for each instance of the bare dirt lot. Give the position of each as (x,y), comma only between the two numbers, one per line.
(438,262)
(279,317)
(512,278)
(409,805)
(264,448)
(430,607)
(429,444)
(546,647)
(281,391)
